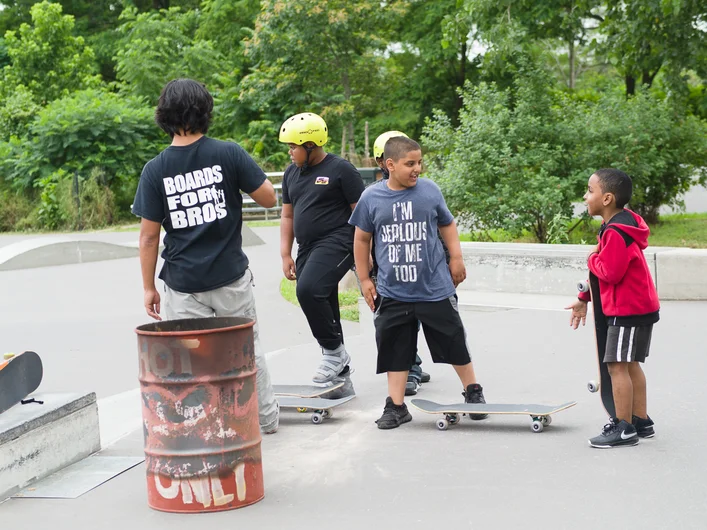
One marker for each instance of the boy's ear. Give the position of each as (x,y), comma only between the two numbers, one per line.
(608,199)
(389,164)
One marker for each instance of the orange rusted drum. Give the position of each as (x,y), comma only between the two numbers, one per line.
(200,414)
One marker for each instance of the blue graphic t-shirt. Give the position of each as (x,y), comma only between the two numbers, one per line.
(410,257)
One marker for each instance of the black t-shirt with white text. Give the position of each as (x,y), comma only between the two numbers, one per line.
(321,198)
(194,192)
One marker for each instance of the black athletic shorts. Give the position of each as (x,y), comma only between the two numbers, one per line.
(626,344)
(396,326)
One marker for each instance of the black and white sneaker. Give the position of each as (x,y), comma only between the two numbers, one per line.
(615,434)
(393,415)
(424,377)
(475,394)
(644,427)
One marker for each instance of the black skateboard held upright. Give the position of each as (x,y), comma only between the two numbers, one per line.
(601,329)
(19,377)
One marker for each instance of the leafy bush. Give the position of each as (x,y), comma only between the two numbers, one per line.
(89,129)
(520,156)
(506,164)
(662,149)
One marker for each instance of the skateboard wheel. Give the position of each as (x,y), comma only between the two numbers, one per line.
(301,409)
(593,386)
(453,419)
(537,426)
(442,424)
(546,420)
(583,286)
(326,414)
(317,418)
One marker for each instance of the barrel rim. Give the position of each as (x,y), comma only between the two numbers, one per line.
(245,325)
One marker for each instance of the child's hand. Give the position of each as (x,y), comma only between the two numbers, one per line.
(457,270)
(579,313)
(369,293)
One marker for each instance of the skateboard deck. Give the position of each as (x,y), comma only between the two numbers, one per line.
(601,328)
(304,391)
(540,414)
(20,375)
(321,409)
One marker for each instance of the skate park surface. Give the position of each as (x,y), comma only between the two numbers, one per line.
(347,473)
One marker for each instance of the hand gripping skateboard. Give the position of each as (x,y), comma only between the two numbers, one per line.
(600,332)
(20,375)
(539,414)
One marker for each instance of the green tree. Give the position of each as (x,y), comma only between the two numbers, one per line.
(643,37)
(507,25)
(318,56)
(87,130)
(507,164)
(664,151)
(46,57)
(159,46)
(428,65)
(227,23)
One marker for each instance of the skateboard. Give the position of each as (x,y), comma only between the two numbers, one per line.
(600,332)
(20,375)
(539,414)
(320,408)
(304,391)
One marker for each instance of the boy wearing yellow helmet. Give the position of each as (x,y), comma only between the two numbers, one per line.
(319,192)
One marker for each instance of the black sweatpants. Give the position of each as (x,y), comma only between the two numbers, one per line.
(320,267)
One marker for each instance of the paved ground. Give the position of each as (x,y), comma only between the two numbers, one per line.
(346,473)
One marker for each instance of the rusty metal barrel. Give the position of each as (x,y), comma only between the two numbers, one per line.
(200,414)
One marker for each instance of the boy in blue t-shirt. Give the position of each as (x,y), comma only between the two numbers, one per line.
(414,282)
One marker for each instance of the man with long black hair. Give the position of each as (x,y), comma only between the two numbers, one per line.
(192,189)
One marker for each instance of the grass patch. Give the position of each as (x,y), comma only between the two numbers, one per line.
(348,300)
(674,230)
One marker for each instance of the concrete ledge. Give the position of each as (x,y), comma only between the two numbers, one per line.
(682,274)
(556,269)
(38,440)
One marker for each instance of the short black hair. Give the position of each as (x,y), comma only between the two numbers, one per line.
(616,182)
(398,146)
(185,105)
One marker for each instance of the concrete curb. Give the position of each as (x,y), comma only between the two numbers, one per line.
(38,440)
(556,269)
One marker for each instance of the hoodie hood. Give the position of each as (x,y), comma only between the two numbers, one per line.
(632,225)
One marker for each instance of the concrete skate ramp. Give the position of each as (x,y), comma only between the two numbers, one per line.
(65,250)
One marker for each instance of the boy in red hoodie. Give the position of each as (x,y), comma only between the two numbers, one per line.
(629,300)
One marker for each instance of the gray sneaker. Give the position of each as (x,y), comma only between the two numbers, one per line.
(344,391)
(330,366)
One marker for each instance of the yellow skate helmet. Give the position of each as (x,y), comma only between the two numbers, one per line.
(379,144)
(305,127)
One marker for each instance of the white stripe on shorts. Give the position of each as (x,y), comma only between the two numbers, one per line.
(630,345)
(618,343)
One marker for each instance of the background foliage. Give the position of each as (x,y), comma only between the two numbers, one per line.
(516,101)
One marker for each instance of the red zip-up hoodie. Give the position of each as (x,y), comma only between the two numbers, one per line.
(628,294)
